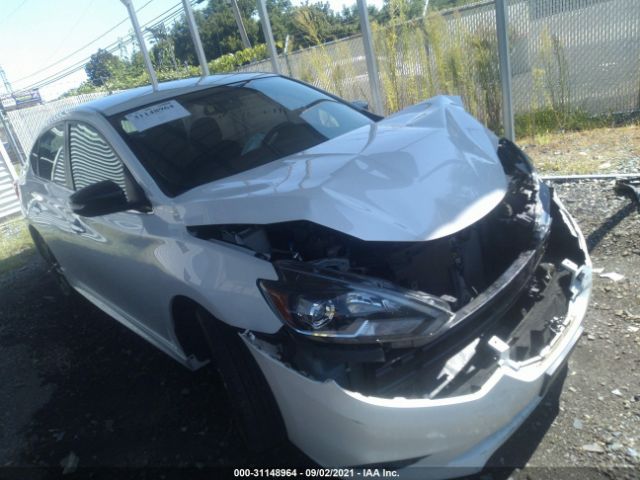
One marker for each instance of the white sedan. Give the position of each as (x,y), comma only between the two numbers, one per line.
(393,291)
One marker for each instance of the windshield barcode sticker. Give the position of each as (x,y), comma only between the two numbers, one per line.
(157,114)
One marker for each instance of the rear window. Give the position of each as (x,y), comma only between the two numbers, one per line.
(204,136)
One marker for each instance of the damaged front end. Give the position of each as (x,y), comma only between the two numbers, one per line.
(429,319)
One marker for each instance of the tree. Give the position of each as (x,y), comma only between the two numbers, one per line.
(102,66)
(163,50)
(316,23)
(281,16)
(218,30)
(401,10)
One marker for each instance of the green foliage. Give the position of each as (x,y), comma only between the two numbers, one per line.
(418,57)
(445,4)
(424,57)
(131,75)
(550,120)
(231,61)
(394,10)
(102,66)
(163,52)
(173,54)
(552,109)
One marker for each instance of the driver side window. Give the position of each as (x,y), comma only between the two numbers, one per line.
(92,158)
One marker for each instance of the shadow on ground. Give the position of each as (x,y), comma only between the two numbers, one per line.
(111,398)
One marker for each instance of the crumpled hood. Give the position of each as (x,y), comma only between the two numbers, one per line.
(423,173)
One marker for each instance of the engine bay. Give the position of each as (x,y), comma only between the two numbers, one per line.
(502,277)
(456,268)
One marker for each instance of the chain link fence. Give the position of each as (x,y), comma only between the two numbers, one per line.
(581,55)
(567,55)
(28,122)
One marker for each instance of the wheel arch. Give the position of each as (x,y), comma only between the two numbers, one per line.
(187,329)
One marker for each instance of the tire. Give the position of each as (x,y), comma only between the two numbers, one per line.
(53,266)
(254,407)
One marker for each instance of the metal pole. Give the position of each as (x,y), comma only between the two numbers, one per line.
(502,20)
(243,31)
(603,176)
(268,35)
(12,140)
(372,65)
(285,54)
(143,47)
(195,36)
(5,157)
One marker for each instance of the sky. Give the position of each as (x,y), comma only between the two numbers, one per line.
(37,35)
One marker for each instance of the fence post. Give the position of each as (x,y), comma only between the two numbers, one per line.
(4,156)
(195,37)
(240,23)
(12,140)
(502,21)
(369,52)
(143,46)
(268,35)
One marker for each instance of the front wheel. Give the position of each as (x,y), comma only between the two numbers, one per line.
(253,404)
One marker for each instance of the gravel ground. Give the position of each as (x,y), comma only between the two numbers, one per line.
(80,390)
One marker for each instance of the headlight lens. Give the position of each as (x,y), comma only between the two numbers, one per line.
(347,308)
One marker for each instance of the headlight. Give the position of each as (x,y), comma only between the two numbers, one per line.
(347,308)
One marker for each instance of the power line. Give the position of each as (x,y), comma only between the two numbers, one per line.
(81,48)
(72,29)
(111,48)
(12,12)
(167,16)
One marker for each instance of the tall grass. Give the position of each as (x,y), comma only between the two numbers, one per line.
(430,56)
(552,107)
(439,55)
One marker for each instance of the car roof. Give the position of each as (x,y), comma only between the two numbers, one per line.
(136,97)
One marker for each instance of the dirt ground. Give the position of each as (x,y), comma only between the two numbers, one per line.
(601,150)
(79,390)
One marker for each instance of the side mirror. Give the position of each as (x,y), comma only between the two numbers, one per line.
(100,198)
(361,104)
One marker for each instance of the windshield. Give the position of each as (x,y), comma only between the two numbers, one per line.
(200,137)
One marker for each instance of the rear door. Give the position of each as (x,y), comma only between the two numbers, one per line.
(47,189)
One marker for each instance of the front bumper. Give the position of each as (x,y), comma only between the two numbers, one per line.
(338,427)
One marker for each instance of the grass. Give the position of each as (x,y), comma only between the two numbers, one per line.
(16,246)
(541,123)
(605,149)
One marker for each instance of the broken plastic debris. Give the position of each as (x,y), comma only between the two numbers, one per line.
(616,277)
(69,463)
(598,270)
(615,446)
(617,392)
(593,447)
